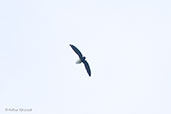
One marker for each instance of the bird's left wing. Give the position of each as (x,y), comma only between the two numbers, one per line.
(76,50)
(87,67)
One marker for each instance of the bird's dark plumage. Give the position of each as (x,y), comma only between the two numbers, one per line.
(76,51)
(82,59)
(87,67)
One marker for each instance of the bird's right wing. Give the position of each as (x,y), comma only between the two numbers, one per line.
(76,50)
(87,67)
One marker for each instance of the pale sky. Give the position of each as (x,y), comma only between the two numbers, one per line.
(127,44)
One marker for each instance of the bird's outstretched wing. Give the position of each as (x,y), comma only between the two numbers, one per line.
(76,50)
(87,67)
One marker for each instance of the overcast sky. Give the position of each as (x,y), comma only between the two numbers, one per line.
(127,44)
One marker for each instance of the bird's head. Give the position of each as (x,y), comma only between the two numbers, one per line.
(84,58)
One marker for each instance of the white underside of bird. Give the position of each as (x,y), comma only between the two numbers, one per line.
(78,61)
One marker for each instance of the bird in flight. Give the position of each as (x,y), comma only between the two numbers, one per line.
(81,59)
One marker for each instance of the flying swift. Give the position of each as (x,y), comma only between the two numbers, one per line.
(81,59)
